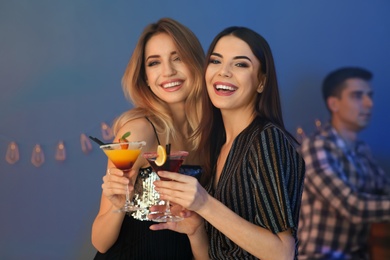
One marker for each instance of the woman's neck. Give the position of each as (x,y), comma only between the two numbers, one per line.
(235,123)
(179,118)
(180,123)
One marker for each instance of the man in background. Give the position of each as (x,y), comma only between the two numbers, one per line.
(345,190)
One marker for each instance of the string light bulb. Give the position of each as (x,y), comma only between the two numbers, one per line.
(318,124)
(60,152)
(106,132)
(37,157)
(12,155)
(86,145)
(300,134)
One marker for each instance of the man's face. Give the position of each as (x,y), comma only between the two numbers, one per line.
(352,110)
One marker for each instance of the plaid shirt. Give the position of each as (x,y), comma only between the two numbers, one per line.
(344,191)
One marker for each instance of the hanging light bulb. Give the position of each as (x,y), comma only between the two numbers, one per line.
(12,155)
(37,157)
(86,145)
(106,132)
(300,134)
(318,124)
(60,152)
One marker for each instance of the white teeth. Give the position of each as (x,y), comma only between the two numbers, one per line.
(171,84)
(223,87)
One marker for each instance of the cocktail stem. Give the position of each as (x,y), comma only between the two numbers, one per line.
(127,195)
(167,209)
(128,202)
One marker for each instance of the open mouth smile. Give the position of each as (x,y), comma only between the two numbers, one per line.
(224,89)
(171,84)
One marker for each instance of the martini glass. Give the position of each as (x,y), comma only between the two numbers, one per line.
(123,155)
(172,164)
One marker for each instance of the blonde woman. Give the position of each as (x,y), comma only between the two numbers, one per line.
(163,80)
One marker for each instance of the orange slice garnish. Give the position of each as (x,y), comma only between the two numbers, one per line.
(161,155)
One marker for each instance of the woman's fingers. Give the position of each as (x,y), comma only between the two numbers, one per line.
(174,176)
(162,226)
(114,172)
(114,183)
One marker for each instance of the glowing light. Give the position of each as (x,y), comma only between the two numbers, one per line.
(37,157)
(12,155)
(60,152)
(106,132)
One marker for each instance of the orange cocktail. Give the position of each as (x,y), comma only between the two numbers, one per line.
(123,155)
(122,159)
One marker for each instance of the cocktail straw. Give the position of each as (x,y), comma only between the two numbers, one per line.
(96,140)
(168,149)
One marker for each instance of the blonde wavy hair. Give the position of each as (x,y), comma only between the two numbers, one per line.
(145,102)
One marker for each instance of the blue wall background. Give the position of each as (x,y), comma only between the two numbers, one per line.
(61,63)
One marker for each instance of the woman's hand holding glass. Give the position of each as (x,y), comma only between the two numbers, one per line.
(114,186)
(184,190)
(190,225)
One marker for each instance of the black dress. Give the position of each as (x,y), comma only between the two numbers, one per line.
(136,240)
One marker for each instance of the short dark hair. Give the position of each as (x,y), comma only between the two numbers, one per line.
(333,82)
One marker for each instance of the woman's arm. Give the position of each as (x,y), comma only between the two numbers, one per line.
(260,242)
(107,224)
(200,244)
(193,226)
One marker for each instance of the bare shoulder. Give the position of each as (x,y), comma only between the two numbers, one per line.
(140,129)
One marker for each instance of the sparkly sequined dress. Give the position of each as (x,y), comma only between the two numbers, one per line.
(135,240)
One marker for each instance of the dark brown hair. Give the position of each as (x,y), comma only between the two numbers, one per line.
(268,104)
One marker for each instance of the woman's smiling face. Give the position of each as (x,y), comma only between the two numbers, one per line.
(167,75)
(232,75)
